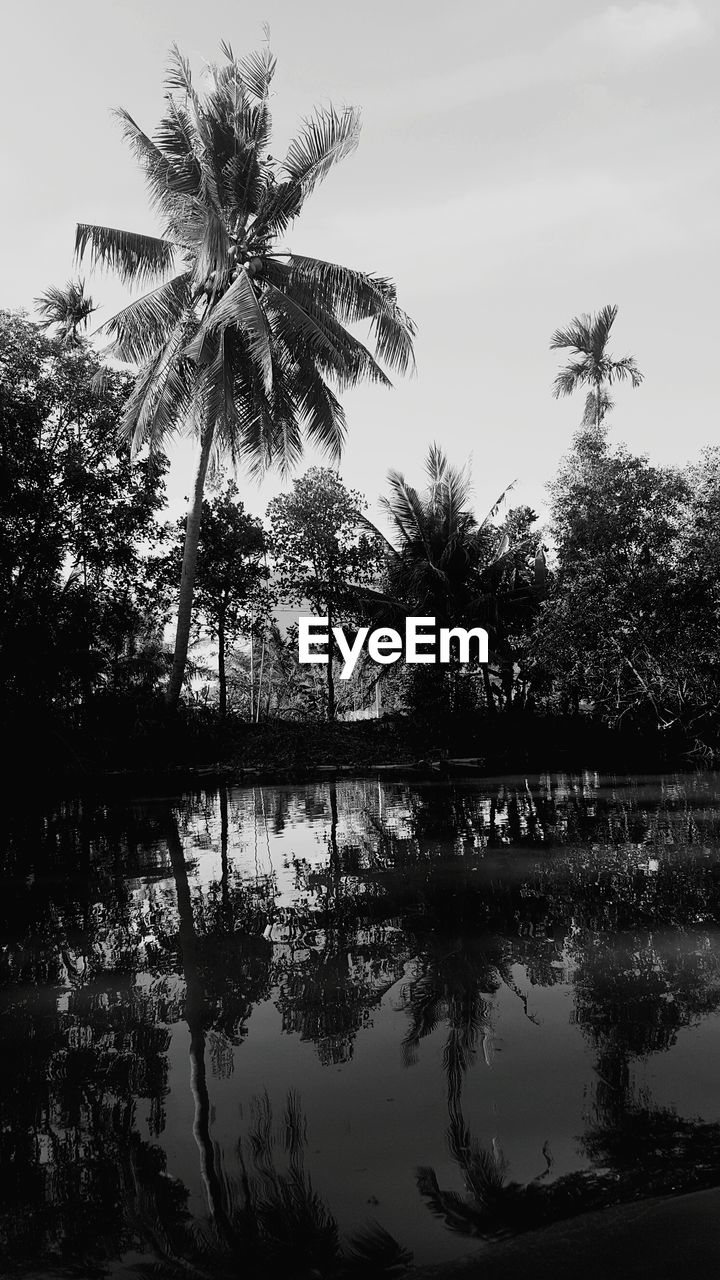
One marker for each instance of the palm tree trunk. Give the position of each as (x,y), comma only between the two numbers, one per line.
(260,680)
(252,674)
(187,581)
(222,682)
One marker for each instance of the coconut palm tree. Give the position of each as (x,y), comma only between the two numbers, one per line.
(66,310)
(240,341)
(593,366)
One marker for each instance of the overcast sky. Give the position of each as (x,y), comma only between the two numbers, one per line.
(520,163)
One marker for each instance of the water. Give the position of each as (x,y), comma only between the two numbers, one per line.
(278,1015)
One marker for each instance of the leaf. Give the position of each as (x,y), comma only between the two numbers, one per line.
(374,1247)
(355,295)
(328,136)
(137,259)
(138,330)
(240,308)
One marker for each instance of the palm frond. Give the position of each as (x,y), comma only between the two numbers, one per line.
(319,410)
(163,395)
(496,506)
(178,77)
(602,323)
(625,368)
(215,394)
(327,137)
(373,1247)
(256,70)
(309,326)
(240,308)
(354,296)
(574,375)
(138,330)
(578,336)
(169,179)
(279,203)
(136,258)
(405,509)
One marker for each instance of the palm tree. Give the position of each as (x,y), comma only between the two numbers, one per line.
(239,340)
(593,366)
(66,310)
(445,564)
(438,541)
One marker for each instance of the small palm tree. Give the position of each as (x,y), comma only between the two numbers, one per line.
(444,563)
(439,546)
(244,341)
(66,310)
(593,366)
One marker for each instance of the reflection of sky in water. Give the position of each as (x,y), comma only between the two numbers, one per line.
(581,916)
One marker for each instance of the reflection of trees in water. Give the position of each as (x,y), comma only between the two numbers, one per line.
(85,1044)
(633,994)
(651,1153)
(275,1223)
(116,937)
(452,983)
(334,963)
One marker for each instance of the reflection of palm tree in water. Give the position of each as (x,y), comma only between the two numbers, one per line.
(631,1000)
(454,987)
(277,1224)
(195,1019)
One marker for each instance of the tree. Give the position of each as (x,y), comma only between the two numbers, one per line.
(446,564)
(67,310)
(629,626)
(231,573)
(78,519)
(587,338)
(243,344)
(322,550)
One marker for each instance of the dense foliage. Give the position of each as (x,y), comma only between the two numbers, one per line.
(616,627)
(231,592)
(77,629)
(323,552)
(631,626)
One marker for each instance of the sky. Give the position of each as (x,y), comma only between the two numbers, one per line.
(519,164)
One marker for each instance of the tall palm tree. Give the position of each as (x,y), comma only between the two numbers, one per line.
(239,340)
(593,366)
(66,310)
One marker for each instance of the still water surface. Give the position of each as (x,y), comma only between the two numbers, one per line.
(279,1015)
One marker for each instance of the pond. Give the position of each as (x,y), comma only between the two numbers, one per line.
(328,1026)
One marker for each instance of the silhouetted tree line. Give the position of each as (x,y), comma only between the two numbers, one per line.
(611,613)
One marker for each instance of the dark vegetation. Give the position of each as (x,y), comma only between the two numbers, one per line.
(605,647)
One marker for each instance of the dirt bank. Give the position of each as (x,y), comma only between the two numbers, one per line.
(664,1238)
